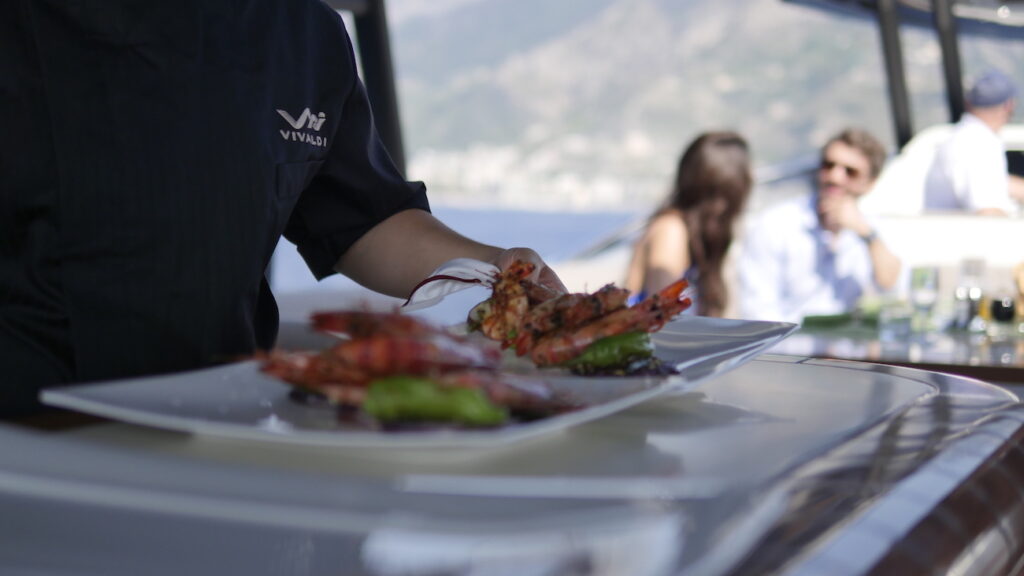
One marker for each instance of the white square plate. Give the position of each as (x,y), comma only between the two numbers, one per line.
(238,401)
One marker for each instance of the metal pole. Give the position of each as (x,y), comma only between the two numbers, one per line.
(379,77)
(892,53)
(945,26)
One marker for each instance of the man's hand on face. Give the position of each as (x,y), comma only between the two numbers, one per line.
(843,177)
(840,212)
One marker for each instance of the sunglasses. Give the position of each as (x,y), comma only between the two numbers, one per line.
(851,172)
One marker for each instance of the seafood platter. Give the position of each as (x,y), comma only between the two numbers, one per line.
(527,361)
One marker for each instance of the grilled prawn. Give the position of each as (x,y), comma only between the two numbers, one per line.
(360,360)
(647,315)
(360,323)
(567,311)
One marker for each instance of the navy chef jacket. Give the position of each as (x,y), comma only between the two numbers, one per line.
(152,155)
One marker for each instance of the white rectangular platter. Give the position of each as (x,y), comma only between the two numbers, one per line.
(238,401)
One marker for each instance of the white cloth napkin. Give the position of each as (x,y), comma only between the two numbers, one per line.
(452,276)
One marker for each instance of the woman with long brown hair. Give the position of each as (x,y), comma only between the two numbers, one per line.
(689,236)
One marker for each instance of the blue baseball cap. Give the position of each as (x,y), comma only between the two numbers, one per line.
(991,89)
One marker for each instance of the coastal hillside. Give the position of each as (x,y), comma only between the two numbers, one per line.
(587,103)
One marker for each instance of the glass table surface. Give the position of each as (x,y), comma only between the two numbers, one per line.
(787,464)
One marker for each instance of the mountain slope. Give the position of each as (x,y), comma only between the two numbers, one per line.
(604,94)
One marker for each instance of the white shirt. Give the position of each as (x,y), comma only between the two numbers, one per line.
(969,171)
(790,267)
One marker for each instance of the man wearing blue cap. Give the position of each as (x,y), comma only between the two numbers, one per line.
(969,172)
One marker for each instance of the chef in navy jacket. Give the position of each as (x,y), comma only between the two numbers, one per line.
(151,156)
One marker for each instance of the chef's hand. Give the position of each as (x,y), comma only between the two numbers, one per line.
(408,263)
(542,274)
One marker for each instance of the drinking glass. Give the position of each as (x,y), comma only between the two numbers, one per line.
(924,292)
(894,321)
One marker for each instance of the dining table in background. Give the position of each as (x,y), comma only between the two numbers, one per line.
(974,355)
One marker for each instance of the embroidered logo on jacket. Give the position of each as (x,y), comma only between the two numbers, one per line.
(304,127)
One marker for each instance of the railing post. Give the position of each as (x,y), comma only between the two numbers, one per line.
(379,77)
(892,54)
(945,26)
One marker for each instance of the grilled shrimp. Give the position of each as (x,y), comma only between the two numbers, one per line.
(567,311)
(359,324)
(361,360)
(648,315)
(500,317)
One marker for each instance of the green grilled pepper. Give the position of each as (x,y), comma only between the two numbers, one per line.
(614,351)
(413,399)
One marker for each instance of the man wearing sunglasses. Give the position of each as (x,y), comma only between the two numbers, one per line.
(819,254)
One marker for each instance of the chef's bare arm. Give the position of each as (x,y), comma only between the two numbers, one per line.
(395,255)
